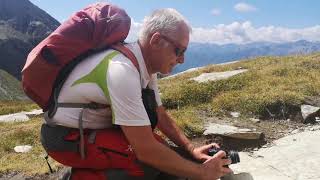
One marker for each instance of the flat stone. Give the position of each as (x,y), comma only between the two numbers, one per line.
(183,72)
(205,77)
(21,116)
(22,149)
(307,111)
(14,117)
(294,157)
(231,131)
(235,114)
(295,131)
(34,113)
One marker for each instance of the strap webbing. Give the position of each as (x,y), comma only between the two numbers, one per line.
(83,105)
(46,157)
(82,151)
(126,52)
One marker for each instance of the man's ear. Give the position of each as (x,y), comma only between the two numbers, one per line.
(155,40)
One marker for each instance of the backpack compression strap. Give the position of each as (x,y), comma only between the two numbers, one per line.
(128,53)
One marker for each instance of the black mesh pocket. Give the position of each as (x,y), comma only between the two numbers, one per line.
(52,139)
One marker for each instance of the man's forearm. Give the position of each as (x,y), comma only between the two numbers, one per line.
(163,158)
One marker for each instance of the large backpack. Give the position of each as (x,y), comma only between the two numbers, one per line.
(98,26)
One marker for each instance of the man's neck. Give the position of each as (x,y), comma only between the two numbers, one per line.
(146,58)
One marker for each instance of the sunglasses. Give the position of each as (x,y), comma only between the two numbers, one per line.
(179,51)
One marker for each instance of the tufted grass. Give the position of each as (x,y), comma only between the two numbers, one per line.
(22,133)
(8,107)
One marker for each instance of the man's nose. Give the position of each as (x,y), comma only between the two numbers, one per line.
(180,59)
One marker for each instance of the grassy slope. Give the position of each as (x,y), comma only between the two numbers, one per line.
(270,83)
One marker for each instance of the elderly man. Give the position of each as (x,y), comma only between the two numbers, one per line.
(109,77)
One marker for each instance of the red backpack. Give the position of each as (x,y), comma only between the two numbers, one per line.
(92,29)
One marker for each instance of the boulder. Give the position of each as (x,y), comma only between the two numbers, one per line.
(309,113)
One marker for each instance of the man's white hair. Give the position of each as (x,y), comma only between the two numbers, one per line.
(164,21)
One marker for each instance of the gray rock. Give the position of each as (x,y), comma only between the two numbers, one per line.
(308,111)
(205,77)
(34,113)
(21,116)
(295,131)
(14,117)
(294,157)
(254,120)
(231,131)
(22,149)
(235,114)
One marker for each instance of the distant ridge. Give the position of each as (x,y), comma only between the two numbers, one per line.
(202,54)
(22,26)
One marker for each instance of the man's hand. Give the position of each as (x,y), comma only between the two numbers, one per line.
(215,167)
(201,153)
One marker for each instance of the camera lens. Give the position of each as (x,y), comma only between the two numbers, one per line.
(234,156)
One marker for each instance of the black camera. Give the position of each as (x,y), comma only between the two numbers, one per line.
(233,155)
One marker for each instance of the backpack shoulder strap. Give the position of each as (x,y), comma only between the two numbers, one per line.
(128,53)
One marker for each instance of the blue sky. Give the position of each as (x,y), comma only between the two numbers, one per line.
(223,21)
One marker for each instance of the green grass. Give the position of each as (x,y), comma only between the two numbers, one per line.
(8,107)
(22,133)
(271,84)
(188,120)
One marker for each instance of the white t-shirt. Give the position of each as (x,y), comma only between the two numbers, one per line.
(107,78)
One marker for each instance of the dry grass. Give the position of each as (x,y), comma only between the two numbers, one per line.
(8,107)
(22,133)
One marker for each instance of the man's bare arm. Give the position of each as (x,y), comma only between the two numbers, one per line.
(152,152)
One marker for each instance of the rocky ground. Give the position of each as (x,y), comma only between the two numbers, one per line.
(271,129)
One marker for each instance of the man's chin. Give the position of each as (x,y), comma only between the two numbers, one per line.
(166,72)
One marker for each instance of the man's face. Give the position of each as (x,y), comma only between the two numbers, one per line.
(174,53)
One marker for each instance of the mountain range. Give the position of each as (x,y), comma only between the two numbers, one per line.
(202,54)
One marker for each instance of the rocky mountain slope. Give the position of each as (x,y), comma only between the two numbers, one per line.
(10,88)
(22,26)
